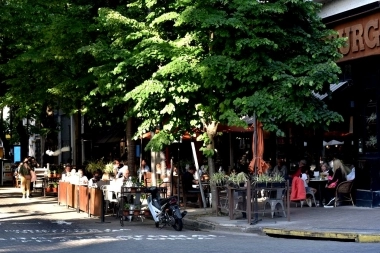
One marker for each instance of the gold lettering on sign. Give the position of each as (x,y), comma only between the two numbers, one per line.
(372,40)
(357,37)
(362,36)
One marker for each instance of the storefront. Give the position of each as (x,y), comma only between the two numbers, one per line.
(360,98)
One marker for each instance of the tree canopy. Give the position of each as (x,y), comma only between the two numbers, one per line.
(179,65)
(194,63)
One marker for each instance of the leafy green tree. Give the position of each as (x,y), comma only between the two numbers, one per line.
(41,67)
(218,61)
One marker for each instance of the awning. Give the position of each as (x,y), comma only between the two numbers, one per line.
(332,143)
(333,87)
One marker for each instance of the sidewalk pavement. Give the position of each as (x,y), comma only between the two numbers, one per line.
(347,223)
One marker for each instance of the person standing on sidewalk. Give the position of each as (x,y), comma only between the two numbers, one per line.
(33,164)
(25,178)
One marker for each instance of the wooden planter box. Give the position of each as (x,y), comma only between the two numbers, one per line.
(62,193)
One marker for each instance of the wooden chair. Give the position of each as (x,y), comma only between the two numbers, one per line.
(343,190)
(148,179)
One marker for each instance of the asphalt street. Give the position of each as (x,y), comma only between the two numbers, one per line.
(41,225)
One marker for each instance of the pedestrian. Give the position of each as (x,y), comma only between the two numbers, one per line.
(25,178)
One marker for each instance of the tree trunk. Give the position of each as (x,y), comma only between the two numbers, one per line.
(211,132)
(24,139)
(131,148)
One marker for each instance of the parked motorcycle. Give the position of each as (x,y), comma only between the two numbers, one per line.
(165,212)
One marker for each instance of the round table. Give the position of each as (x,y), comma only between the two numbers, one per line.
(318,183)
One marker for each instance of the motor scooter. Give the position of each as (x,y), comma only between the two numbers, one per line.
(166,211)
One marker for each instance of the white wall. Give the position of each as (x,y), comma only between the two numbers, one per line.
(332,7)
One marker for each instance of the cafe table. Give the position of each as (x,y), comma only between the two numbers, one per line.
(320,185)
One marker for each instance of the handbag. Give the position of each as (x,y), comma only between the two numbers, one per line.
(33,176)
(27,177)
(333,184)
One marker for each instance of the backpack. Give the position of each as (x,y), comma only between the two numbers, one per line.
(24,171)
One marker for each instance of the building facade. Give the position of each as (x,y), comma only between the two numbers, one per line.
(358,21)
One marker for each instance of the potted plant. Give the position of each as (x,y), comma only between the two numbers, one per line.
(92,167)
(55,187)
(108,168)
(126,209)
(262,180)
(137,210)
(218,178)
(48,188)
(278,181)
(238,179)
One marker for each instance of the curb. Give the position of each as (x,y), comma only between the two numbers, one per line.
(203,225)
(329,235)
(199,224)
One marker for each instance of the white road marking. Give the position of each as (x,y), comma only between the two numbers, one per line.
(62,222)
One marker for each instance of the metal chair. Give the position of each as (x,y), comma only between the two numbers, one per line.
(343,190)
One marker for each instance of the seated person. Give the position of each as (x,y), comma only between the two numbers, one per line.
(326,170)
(143,168)
(124,178)
(338,177)
(94,180)
(120,172)
(188,181)
(82,178)
(105,179)
(305,177)
(66,173)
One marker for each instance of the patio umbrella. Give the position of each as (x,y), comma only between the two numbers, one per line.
(258,151)
(334,142)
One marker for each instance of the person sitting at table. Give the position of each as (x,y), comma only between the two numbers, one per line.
(339,176)
(326,170)
(188,181)
(82,178)
(116,168)
(124,178)
(306,178)
(120,173)
(298,172)
(66,172)
(280,169)
(94,180)
(143,168)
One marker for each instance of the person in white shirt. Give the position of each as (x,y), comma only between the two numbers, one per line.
(82,178)
(305,177)
(121,171)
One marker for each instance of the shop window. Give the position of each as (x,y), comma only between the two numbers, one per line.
(370,142)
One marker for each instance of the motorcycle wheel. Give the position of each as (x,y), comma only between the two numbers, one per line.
(157,224)
(178,225)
